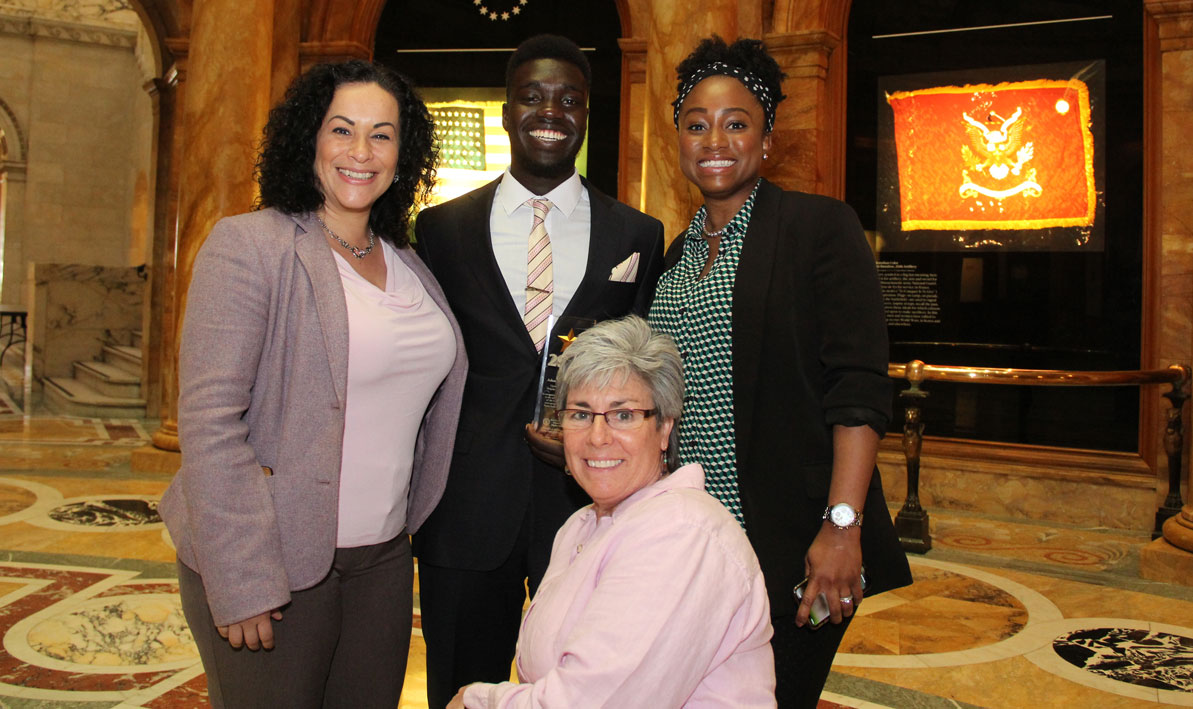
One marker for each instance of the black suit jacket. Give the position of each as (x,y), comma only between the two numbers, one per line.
(488,488)
(810,351)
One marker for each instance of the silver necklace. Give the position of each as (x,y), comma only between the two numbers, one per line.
(358,253)
(714,234)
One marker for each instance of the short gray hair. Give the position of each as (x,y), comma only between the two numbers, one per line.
(619,348)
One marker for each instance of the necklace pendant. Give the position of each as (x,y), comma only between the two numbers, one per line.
(355,251)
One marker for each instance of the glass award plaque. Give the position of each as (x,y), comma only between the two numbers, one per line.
(563,332)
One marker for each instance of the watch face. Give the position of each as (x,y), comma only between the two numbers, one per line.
(842,515)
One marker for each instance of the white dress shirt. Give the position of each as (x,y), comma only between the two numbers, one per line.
(568,224)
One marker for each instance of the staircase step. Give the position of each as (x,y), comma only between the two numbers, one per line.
(71,397)
(124,357)
(137,339)
(108,379)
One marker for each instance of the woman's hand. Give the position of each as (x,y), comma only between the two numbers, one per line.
(545,448)
(255,632)
(833,563)
(833,566)
(457,701)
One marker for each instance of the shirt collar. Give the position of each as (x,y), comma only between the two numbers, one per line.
(511,194)
(735,228)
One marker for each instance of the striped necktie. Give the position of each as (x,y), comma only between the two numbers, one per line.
(540,283)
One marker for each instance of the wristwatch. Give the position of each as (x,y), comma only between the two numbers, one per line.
(842,515)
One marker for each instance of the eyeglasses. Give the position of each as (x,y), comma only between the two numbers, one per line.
(617,419)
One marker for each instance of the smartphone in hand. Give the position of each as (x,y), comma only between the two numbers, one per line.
(820,611)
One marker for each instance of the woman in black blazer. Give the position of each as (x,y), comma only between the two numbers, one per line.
(773,300)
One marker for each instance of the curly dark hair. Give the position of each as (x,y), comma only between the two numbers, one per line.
(747,54)
(285,164)
(547,46)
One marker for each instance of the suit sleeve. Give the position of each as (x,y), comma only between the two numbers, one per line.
(421,229)
(652,268)
(854,348)
(233,528)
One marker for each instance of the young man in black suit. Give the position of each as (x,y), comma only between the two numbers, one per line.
(490,537)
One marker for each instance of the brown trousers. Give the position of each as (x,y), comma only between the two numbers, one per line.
(341,643)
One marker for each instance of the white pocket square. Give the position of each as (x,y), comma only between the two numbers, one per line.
(626,271)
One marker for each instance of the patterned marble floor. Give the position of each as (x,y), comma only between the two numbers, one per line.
(1001,614)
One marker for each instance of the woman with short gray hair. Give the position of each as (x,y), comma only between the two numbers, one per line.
(629,346)
(653,596)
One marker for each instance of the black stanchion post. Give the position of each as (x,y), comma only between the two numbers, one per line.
(1174,441)
(912,520)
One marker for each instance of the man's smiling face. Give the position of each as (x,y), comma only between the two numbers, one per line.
(546,115)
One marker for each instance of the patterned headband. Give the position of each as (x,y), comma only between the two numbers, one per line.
(751,82)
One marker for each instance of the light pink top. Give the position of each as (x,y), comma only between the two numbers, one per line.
(400,347)
(661,604)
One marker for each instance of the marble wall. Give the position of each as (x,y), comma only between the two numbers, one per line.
(1067,487)
(1168,260)
(75,309)
(76,92)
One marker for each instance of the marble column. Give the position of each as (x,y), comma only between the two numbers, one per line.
(162,348)
(807,39)
(633,121)
(807,150)
(1168,246)
(233,50)
(674,30)
(166,93)
(287,30)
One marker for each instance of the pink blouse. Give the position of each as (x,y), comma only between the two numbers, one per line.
(400,348)
(661,604)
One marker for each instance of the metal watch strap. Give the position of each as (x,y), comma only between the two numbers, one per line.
(857,519)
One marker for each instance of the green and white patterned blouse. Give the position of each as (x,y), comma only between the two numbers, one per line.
(698,314)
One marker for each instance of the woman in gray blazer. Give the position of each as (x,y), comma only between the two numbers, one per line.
(321,375)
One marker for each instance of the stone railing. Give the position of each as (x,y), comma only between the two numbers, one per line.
(912,520)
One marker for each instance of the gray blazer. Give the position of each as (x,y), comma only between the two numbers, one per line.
(263,373)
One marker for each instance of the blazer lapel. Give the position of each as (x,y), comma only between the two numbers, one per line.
(750,319)
(478,240)
(330,305)
(608,244)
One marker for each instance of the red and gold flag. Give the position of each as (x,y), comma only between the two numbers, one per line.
(1014,155)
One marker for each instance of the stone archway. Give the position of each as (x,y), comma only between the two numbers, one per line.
(12,170)
(14,146)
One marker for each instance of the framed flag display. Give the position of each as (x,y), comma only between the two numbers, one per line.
(1006,158)
(996,158)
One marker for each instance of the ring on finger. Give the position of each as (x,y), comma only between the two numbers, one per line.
(847,599)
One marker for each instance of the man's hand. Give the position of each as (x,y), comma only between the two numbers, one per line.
(545,448)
